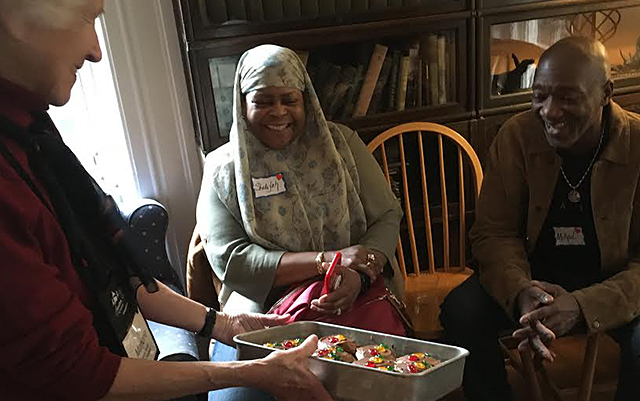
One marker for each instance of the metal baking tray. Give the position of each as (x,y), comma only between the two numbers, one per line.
(350,382)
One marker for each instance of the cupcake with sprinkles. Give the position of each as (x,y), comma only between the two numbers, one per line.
(334,354)
(380,350)
(377,362)
(338,340)
(286,344)
(415,363)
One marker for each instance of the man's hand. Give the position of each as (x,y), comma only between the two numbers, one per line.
(536,347)
(228,325)
(286,376)
(534,336)
(554,289)
(555,313)
(545,324)
(562,316)
(539,294)
(342,298)
(532,298)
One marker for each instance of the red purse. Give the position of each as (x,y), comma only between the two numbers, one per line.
(374,310)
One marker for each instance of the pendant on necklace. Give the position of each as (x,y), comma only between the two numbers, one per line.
(574,196)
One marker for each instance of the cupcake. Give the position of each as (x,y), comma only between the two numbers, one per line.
(377,362)
(334,354)
(415,363)
(338,340)
(286,344)
(381,350)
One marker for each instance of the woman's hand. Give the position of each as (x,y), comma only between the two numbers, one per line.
(292,375)
(341,298)
(228,325)
(359,258)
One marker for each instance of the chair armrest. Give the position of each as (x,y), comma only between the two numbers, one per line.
(174,344)
(149,219)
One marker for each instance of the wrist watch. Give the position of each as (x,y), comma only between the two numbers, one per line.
(209,322)
(365,282)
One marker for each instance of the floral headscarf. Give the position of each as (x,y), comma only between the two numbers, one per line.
(320,208)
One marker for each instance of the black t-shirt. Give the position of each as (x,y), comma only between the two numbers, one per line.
(567,251)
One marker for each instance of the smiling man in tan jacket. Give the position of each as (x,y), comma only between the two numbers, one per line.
(558,226)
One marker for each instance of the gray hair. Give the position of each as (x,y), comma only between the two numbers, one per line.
(53,13)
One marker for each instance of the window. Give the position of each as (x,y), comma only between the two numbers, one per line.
(91,124)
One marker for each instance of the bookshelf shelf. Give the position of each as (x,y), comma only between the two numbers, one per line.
(215,19)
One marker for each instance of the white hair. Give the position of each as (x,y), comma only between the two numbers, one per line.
(53,13)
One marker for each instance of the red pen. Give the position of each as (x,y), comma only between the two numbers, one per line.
(333,275)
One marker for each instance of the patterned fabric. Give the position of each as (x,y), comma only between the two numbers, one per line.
(321,207)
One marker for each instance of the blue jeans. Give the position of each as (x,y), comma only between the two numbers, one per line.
(225,353)
(472,319)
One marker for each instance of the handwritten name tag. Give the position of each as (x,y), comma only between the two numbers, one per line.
(268,186)
(139,342)
(569,236)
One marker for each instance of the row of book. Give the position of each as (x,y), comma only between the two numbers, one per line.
(387,78)
(221,11)
(353,81)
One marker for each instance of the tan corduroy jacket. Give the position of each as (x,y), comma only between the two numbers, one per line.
(520,179)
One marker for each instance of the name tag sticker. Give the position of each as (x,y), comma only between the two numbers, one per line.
(268,186)
(139,342)
(569,236)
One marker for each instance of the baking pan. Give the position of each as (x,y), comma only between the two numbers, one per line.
(349,382)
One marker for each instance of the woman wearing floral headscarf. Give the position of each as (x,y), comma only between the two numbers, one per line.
(288,191)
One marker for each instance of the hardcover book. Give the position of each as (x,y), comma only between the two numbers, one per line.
(370,79)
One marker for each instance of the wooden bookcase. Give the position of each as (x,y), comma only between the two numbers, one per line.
(335,39)
(481,36)
(475,31)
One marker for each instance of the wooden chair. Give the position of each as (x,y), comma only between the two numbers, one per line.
(586,380)
(574,375)
(430,275)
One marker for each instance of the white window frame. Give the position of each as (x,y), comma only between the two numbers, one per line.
(142,40)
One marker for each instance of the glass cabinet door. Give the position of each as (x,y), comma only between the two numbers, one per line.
(510,49)
(222,71)
(515,47)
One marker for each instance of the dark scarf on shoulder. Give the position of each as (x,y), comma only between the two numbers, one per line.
(102,247)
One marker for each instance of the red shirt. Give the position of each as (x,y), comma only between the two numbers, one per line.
(48,346)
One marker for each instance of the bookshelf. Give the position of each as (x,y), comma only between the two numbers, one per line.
(338,59)
(466,47)
(472,40)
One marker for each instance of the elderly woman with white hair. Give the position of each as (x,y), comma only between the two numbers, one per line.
(288,192)
(72,292)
